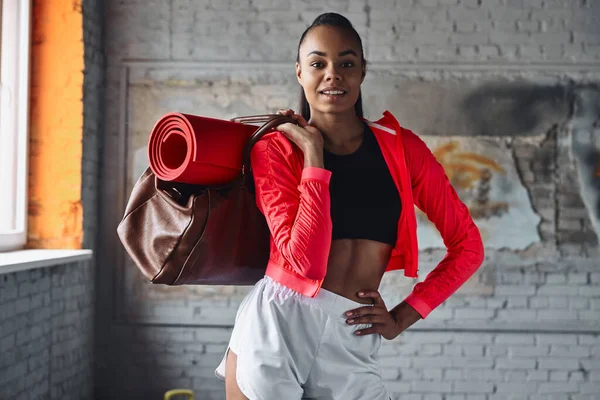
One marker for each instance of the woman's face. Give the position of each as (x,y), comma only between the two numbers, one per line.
(330,69)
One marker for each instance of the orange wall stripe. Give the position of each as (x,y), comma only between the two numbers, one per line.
(55,217)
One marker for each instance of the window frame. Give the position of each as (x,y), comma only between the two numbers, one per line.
(14,118)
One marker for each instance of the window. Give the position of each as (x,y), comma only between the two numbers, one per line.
(14,115)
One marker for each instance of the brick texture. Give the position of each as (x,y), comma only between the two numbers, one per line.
(46,333)
(462,30)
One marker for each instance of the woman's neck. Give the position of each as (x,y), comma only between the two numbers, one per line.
(339,130)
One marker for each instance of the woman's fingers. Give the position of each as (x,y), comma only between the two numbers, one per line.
(290,131)
(375,295)
(303,137)
(288,112)
(287,127)
(368,331)
(366,310)
(301,121)
(368,319)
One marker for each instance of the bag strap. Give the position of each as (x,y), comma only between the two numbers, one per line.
(255,119)
(269,121)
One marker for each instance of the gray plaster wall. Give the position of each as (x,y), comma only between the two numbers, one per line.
(523,73)
(47,315)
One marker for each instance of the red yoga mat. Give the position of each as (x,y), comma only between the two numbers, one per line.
(197,150)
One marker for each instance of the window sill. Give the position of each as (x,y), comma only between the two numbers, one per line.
(22,260)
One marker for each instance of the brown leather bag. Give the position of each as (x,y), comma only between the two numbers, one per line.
(186,234)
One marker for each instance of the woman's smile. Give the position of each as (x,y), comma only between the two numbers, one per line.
(333,94)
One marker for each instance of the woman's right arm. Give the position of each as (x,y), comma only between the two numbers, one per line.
(297,208)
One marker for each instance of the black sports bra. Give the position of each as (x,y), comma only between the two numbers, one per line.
(365,203)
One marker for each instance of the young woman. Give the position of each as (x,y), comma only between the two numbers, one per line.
(337,192)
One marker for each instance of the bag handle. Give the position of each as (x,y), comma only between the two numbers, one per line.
(255,119)
(269,121)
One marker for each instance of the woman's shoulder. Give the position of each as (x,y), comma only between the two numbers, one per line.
(414,147)
(274,148)
(410,138)
(274,142)
(390,124)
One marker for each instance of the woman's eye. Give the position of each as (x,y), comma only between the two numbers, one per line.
(347,64)
(316,64)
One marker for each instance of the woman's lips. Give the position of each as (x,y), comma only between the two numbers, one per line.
(333,95)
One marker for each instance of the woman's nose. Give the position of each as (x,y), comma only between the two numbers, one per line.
(333,74)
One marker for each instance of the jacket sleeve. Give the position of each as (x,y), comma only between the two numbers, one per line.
(435,196)
(296,206)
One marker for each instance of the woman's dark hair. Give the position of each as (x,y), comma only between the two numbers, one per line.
(337,21)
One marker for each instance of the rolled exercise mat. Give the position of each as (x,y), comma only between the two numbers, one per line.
(197,150)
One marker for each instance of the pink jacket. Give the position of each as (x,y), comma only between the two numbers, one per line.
(296,203)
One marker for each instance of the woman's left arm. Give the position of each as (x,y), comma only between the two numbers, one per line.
(435,196)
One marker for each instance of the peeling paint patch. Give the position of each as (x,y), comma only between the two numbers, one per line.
(585,148)
(485,176)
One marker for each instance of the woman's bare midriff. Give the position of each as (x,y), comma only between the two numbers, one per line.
(355,265)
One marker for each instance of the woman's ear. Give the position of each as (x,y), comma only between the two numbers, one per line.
(298,72)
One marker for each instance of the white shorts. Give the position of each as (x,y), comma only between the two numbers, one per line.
(290,346)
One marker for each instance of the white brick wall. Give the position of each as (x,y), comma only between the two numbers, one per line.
(418,364)
(527,327)
(463,30)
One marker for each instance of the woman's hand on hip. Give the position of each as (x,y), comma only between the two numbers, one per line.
(382,320)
